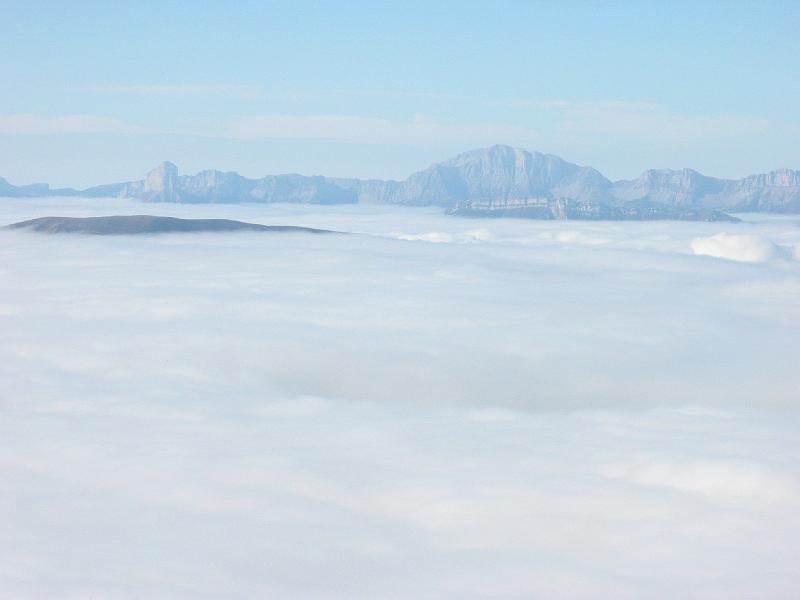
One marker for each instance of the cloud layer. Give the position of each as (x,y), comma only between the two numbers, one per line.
(31,124)
(744,248)
(437,408)
(372,130)
(230,92)
(653,122)
(349,129)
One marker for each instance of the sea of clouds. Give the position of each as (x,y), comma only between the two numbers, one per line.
(435,408)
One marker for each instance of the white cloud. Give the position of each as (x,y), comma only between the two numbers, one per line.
(180,91)
(744,248)
(443,237)
(295,407)
(570,106)
(620,119)
(435,237)
(520,412)
(643,121)
(420,130)
(30,124)
(374,130)
(731,481)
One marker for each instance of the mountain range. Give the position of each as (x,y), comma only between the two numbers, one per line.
(494,181)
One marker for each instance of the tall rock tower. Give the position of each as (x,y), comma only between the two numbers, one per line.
(161,184)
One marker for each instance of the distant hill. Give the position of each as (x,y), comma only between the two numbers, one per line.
(142,224)
(495,181)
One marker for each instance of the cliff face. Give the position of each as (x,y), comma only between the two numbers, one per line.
(776,191)
(684,188)
(368,191)
(509,179)
(34,190)
(503,172)
(500,173)
(163,184)
(489,179)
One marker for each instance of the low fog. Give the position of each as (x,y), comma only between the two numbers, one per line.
(436,407)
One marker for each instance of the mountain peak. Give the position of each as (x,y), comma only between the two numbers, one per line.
(161,184)
(498,152)
(498,175)
(165,167)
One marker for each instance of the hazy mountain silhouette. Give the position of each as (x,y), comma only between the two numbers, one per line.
(494,181)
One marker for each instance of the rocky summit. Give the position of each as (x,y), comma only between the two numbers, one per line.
(495,181)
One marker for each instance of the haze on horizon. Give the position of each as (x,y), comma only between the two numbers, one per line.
(380,91)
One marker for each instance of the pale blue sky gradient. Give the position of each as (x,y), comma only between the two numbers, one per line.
(93,92)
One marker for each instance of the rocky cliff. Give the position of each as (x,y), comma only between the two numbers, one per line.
(499,180)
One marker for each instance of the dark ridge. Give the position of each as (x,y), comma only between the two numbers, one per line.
(143,224)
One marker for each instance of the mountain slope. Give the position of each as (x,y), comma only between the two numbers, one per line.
(148,224)
(494,181)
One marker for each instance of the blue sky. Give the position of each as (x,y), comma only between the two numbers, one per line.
(96,92)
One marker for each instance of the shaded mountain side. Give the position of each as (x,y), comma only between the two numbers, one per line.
(567,209)
(474,182)
(777,191)
(34,190)
(143,224)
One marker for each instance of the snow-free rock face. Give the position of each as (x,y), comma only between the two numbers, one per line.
(438,185)
(776,191)
(500,179)
(300,189)
(495,173)
(368,191)
(161,184)
(34,190)
(502,173)
(684,188)
(213,186)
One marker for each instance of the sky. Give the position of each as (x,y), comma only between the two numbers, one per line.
(97,92)
(436,408)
